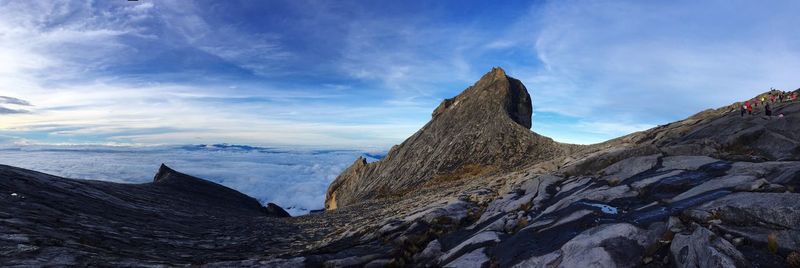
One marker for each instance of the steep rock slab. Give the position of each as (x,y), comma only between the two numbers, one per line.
(483,129)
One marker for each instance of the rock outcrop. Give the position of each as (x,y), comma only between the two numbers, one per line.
(484,129)
(206,193)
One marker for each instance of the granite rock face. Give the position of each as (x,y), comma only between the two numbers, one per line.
(484,129)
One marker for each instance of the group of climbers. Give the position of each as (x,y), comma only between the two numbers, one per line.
(774,96)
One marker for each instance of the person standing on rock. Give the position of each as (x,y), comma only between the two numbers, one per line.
(749,107)
(767,110)
(742,110)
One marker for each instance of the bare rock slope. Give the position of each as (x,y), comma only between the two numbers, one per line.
(485,128)
(48,220)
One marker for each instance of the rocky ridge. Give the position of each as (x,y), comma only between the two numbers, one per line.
(713,190)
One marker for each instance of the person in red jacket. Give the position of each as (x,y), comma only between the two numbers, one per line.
(749,107)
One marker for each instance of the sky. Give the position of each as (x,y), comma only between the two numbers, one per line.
(367,74)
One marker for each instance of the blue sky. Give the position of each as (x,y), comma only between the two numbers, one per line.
(367,74)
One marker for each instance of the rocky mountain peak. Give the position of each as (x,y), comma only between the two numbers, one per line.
(486,128)
(211,193)
(163,172)
(494,92)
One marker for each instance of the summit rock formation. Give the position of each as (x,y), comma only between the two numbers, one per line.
(486,128)
(475,187)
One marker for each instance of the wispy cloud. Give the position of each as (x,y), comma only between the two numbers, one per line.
(353,74)
(15,101)
(4,110)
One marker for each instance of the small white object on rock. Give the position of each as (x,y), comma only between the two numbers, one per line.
(14,194)
(604,208)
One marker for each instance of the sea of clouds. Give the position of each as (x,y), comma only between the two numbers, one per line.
(295,179)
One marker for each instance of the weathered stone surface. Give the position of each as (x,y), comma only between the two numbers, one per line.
(602,194)
(351,261)
(757,215)
(615,245)
(650,180)
(479,240)
(277,263)
(475,259)
(630,166)
(730,181)
(686,162)
(453,210)
(594,161)
(379,263)
(703,248)
(432,251)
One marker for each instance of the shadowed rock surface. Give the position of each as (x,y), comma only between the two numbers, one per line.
(177,218)
(473,188)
